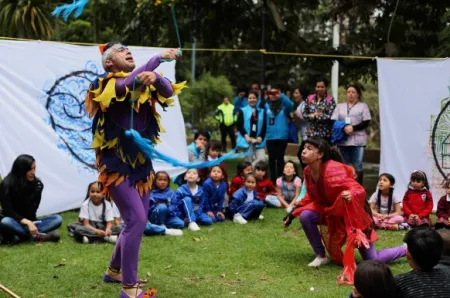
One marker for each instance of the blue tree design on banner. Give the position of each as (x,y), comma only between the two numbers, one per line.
(66,113)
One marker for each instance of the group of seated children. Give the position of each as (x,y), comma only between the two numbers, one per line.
(428,254)
(417,204)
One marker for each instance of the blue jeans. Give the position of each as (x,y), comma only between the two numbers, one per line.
(161,216)
(151,229)
(353,155)
(251,210)
(200,217)
(47,224)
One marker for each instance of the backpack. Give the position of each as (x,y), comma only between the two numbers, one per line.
(311,97)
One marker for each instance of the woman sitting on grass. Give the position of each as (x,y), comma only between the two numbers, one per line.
(20,197)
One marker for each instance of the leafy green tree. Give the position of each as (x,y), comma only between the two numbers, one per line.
(27,18)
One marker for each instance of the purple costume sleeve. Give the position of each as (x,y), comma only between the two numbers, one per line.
(162,84)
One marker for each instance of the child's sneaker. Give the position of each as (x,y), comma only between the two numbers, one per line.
(239,219)
(193,226)
(404,226)
(318,261)
(173,232)
(261,216)
(86,240)
(111,239)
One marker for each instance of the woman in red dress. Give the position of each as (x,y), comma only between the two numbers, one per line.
(337,203)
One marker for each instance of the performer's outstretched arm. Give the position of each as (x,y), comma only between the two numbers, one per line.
(161,84)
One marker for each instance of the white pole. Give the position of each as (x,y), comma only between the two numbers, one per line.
(335,69)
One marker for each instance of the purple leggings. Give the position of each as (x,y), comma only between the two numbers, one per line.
(133,209)
(310,220)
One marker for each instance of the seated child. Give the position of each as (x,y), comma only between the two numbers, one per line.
(288,186)
(443,209)
(424,249)
(215,190)
(444,262)
(243,168)
(265,189)
(189,202)
(245,205)
(373,279)
(212,153)
(385,206)
(162,219)
(287,220)
(95,219)
(418,202)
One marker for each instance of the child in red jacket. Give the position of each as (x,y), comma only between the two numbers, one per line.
(265,188)
(443,209)
(418,202)
(243,168)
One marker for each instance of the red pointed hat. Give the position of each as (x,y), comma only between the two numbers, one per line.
(106,46)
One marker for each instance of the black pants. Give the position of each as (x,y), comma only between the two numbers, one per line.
(227,131)
(276,150)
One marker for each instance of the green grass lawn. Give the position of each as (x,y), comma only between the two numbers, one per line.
(260,259)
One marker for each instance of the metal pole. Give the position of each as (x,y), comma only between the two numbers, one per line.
(335,68)
(193,55)
(263,45)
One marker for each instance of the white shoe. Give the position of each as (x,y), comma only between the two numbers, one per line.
(239,219)
(85,240)
(261,216)
(174,232)
(110,239)
(193,226)
(318,261)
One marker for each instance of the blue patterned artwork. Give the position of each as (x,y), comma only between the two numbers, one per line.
(67,116)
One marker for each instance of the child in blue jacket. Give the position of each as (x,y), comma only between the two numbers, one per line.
(215,189)
(161,213)
(189,202)
(245,205)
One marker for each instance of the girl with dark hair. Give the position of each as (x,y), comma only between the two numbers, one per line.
(386,207)
(212,152)
(337,203)
(443,208)
(356,116)
(318,110)
(96,218)
(373,280)
(418,201)
(245,205)
(288,186)
(242,169)
(20,196)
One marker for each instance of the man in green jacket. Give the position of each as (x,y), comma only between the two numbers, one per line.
(226,117)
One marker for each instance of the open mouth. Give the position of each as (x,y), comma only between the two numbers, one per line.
(129,59)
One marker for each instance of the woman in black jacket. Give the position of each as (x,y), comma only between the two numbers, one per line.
(20,196)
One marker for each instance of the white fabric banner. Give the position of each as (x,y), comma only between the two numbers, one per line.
(42,91)
(415,121)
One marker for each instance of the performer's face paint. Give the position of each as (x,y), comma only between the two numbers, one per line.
(121,59)
(310,154)
(162,181)
(191,176)
(216,173)
(95,194)
(250,183)
(31,174)
(252,99)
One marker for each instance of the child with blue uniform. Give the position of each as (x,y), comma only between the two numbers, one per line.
(189,202)
(245,204)
(215,189)
(160,213)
